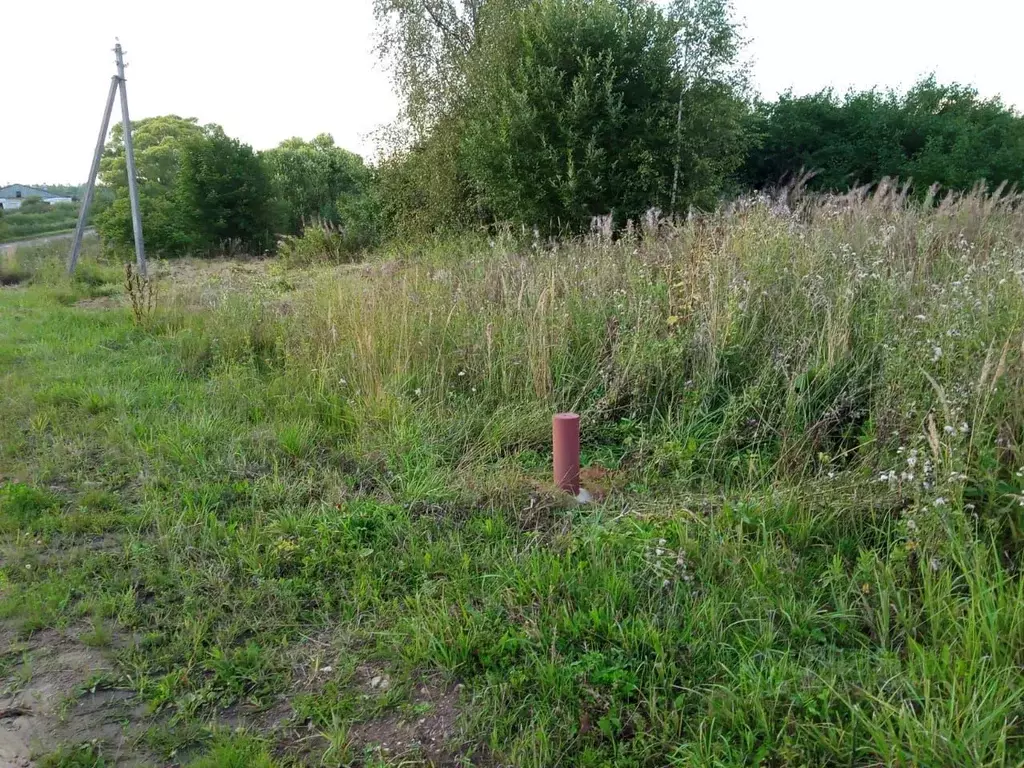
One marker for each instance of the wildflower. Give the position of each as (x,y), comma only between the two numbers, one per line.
(949,429)
(462,373)
(911,525)
(343,382)
(418,391)
(936,354)
(964,429)
(920,317)
(935,564)
(940,502)
(865,588)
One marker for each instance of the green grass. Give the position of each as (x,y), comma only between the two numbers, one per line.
(284,487)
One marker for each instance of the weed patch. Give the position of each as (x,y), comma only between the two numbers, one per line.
(327,534)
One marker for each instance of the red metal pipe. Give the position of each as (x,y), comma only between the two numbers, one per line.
(565,432)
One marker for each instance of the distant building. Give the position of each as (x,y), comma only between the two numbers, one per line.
(11,197)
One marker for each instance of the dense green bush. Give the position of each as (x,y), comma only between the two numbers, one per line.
(199,189)
(564,110)
(933,134)
(315,181)
(223,194)
(202,191)
(34,204)
(158,143)
(572,114)
(320,241)
(424,190)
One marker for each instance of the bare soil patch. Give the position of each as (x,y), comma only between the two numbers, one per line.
(428,731)
(44,706)
(101,302)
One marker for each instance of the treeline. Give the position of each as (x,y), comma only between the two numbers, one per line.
(545,114)
(203,192)
(933,134)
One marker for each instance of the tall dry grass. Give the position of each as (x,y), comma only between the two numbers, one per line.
(773,339)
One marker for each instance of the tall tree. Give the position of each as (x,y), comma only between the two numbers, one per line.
(427,44)
(158,143)
(711,105)
(548,112)
(572,112)
(309,179)
(583,107)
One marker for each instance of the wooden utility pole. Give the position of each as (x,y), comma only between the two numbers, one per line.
(116,83)
(129,154)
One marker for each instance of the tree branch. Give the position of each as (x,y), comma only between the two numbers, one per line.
(444,28)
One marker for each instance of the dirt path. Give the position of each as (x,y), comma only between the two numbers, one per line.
(4,247)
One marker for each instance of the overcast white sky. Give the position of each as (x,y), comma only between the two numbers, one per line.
(270,70)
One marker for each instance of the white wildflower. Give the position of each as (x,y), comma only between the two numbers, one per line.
(936,354)
(940,502)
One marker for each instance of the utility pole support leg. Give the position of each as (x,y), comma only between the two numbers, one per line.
(76,243)
(129,154)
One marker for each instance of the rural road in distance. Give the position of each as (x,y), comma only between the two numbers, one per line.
(4,247)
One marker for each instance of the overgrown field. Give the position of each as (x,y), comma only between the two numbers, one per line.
(304,517)
(38,220)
